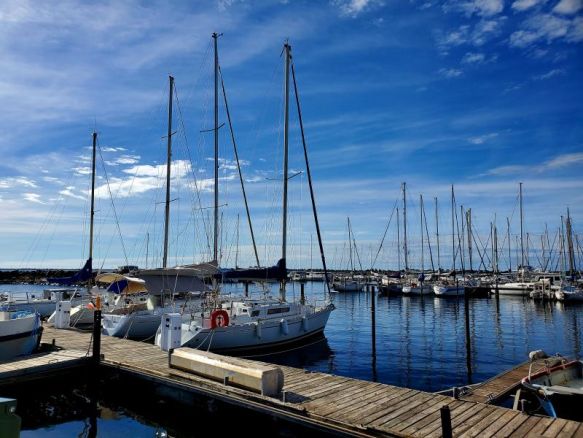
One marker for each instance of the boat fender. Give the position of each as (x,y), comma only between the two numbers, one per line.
(305,323)
(284,327)
(258,329)
(219,318)
(537,354)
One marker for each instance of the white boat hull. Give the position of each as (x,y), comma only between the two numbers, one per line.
(140,325)
(347,286)
(20,336)
(265,334)
(417,290)
(449,291)
(513,289)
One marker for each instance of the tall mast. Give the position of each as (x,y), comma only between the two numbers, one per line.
(452,228)
(216,130)
(509,250)
(287,49)
(521,229)
(350,244)
(461,238)
(437,235)
(422,239)
(570,245)
(168,164)
(492,245)
(398,242)
(405,226)
(469,230)
(496,268)
(92,212)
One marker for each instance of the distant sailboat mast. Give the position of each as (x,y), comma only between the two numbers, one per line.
(437,236)
(521,230)
(405,227)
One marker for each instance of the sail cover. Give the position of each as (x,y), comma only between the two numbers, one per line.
(121,284)
(81,276)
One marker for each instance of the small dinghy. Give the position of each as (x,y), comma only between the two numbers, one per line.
(558,388)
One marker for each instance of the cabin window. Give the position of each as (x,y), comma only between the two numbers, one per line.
(244,310)
(277,310)
(255,313)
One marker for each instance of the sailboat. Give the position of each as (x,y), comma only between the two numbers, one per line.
(451,288)
(243,325)
(419,287)
(45,305)
(141,321)
(348,283)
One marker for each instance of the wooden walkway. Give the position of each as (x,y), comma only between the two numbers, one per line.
(339,404)
(40,365)
(501,386)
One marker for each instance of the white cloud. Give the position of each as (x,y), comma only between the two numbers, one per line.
(450,72)
(550,74)
(82,170)
(16,181)
(523,5)
(353,8)
(547,28)
(482,8)
(68,191)
(473,58)
(481,139)
(112,149)
(478,35)
(32,197)
(560,161)
(568,6)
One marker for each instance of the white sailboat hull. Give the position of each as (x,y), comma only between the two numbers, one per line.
(515,289)
(264,334)
(347,286)
(140,325)
(19,336)
(417,290)
(449,291)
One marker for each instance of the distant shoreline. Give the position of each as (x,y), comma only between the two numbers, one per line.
(32,276)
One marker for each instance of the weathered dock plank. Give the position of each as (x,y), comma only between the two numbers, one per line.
(345,405)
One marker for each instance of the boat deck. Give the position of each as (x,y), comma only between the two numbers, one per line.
(340,404)
(501,386)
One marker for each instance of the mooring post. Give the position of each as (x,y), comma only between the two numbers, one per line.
(446,422)
(246,289)
(97,331)
(302,293)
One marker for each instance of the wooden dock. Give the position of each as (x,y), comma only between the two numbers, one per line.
(501,386)
(336,404)
(41,365)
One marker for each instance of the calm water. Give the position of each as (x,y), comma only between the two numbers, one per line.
(420,341)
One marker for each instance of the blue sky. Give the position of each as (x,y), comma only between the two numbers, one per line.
(477,93)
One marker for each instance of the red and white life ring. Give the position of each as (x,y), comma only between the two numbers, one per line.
(219,318)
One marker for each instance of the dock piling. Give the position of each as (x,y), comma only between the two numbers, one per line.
(446,422)
(97,332)
(302,293)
